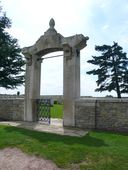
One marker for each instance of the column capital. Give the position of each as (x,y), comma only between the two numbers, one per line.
(28,58)
(67,51)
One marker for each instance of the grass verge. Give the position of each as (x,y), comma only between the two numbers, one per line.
(57,111)
(97,150)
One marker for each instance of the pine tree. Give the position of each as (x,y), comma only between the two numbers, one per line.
(11,61)
(112,69)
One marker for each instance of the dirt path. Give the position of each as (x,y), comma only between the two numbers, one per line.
(15,159)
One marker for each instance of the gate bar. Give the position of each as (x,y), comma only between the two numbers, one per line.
(52,56)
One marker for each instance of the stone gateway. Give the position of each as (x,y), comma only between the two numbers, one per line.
(52,41)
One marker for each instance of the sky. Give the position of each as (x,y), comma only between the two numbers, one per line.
(102,21)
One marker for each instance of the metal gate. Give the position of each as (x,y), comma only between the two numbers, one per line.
(43,110)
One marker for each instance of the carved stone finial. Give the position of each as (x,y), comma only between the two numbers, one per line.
(52,23)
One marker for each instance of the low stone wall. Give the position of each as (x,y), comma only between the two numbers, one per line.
(90,113)
(105,114)
(85,113)
(12,109)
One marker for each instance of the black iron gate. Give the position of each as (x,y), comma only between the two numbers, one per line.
(43,110)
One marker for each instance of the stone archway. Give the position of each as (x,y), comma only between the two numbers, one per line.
(52,41)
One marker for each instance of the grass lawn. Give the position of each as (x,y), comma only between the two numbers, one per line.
(95,151)
(57,111)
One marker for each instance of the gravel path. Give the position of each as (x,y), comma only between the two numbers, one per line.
(15,159)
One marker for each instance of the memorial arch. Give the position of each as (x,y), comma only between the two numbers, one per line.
(52,41)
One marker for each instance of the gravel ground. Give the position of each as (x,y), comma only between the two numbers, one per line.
(15,159)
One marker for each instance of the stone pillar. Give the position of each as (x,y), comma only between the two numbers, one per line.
(32,88)
(27,86)
(71,82)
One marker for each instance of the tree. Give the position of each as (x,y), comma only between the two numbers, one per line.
(112,69)
(11,61)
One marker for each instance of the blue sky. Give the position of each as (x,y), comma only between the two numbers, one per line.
(103,21)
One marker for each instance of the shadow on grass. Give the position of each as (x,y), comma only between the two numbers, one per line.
(111,132)
(44,137)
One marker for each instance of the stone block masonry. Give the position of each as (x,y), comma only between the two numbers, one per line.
(12,109)
(104,114)
(112,115)
(85,113)
(89,113)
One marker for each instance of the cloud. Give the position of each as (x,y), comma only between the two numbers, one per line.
(105,27)
(21,35)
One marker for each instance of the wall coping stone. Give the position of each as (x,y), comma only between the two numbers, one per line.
(111,100)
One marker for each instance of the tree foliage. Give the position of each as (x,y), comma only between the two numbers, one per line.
(112,69)
(11,61)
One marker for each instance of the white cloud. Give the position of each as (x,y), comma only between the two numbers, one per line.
(105,27)
(21,35)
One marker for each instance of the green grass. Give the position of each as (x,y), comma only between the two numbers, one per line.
(95,151)
(57,111)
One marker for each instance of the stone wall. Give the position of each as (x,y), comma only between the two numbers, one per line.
(12,109)
(90,113)
(85,113)
(105,114)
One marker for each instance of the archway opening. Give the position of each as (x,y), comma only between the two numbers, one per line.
(51,86)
